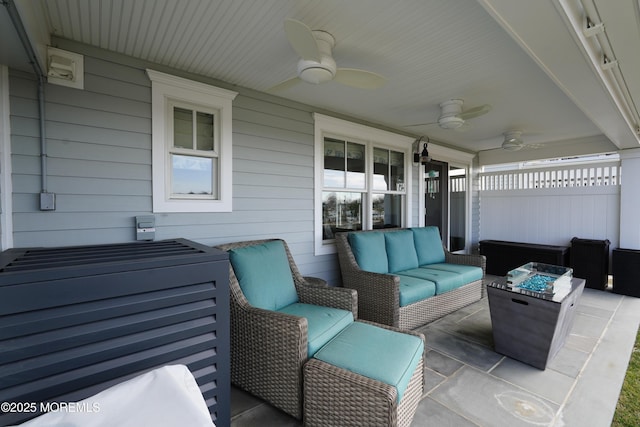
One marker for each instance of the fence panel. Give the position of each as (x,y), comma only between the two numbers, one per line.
(551,205)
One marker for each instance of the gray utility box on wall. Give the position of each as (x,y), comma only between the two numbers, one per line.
(77,320)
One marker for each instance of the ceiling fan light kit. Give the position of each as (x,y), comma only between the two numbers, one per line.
(321,67)
(449,117)
(316,73)
(451,122)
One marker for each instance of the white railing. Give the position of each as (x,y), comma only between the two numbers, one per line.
(458,184)
(586,175)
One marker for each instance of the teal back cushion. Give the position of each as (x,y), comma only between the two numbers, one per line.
(264,275)
(401,251)
(369,251)
(428,245)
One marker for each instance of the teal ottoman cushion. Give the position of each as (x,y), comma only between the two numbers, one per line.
(323,322)
(401,251)
(413,289)
(373,352)
(428,245)
(369,251)
(264,275)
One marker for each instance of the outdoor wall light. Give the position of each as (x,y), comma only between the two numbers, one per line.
(421,157)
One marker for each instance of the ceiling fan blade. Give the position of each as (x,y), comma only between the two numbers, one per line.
(287,84)
(465,127)
(475,112)
(421,124)
(533,146)
(359,78)
(302,40)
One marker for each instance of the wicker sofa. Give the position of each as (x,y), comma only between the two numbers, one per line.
(405,277)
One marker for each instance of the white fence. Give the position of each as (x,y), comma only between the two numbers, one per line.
(559,177)
(458,184)
(551,205)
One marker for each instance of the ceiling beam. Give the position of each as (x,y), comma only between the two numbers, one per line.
(552,42)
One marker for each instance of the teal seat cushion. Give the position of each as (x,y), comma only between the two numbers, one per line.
(264,275)
(369,251)
(445,281)
(323,322)
(469,273)
(428,245)
(401,251)
(373,352)
(413,289)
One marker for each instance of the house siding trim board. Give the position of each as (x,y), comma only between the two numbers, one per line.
(6,186)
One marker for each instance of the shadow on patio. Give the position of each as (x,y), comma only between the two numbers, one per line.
(468,384)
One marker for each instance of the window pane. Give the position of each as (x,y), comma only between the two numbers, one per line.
(387,210)
(341,211)
(182,128)
(334,166)
(380,169)
(355,166)
(397,171)
(192,175)
(204,126)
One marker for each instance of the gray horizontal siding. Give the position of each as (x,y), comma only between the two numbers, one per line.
(99,166)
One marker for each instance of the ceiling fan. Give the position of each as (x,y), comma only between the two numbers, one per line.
(316,64)
(452,117)
(512,140)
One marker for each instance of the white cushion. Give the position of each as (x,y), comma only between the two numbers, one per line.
(168,397)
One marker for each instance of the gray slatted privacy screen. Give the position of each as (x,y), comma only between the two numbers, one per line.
(77,320)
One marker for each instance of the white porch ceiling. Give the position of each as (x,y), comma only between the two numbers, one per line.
(522,57)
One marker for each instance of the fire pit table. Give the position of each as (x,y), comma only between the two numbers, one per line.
(532,310)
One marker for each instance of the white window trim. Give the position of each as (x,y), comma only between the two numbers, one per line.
(166,88)
(333,127)
(6,183)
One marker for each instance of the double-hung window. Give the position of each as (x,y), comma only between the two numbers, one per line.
(191,145)
(193,155)
(344,186)
(361,179)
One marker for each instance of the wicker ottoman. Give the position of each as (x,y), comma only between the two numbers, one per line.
(340,385)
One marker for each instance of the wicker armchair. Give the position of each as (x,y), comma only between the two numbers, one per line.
(379,295)
(268,348)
